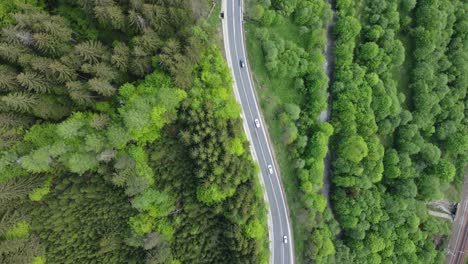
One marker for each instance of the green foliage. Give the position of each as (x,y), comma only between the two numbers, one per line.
(291,40)
(157,204)
(39,260)
(353,148)
(255,229)
(284,58)
(150,106)
(384,219)
(141,224)
(39,193)
(61,75)
(102,210)
(7,8)
(19,230)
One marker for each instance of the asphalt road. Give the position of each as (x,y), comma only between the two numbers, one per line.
(279,223)
(458,242)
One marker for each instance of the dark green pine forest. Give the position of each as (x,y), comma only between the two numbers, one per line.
(121,141)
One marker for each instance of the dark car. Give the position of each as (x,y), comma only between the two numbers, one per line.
(242,64)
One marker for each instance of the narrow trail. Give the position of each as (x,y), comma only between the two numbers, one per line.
(329,65)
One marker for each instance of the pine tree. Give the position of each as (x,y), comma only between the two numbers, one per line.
(91,51)
(109,14)
(101,70)
(14,36)
(78,93)
(148,41)
(33,82)
(20,102)
(121,56)
(48,44)
(40,22)
(51,107)
(168,54)
(136,21)
(140,66)
(37,63)
(61,72)
(102,87)
(109,243)
(11,53)
(8,79)
(10,246)
(17,188)
(100,121)
(9,120)
(157,16)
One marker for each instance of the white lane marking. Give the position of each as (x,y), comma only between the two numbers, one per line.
(261,149)
(250,110)
(247,130)
(268,146)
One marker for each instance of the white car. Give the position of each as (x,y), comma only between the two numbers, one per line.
(257,122)
(285,239)
(270,169)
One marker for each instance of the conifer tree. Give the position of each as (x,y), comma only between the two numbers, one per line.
(91,51)
(38,63)
(9,120)
(48,44)
(121,56)
(61,72)
(11,53)
(15,36)
(101,86)
(17,188)
(78,92)
(33,82)
(136,21)
(110,14)
(7,79)
(19,101)
(100,121)
(101,70)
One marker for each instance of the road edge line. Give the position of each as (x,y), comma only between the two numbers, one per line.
(247,131)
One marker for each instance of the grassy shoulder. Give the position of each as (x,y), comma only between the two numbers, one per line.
(286,43)
(272,93)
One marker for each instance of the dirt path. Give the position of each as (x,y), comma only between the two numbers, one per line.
(329,65)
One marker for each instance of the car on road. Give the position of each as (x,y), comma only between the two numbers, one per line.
(270,169)
(257,122)
(242,63)
(285,239)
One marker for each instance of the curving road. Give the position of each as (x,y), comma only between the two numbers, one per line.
(278,216)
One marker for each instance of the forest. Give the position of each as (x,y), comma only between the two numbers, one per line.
(398,135)
(394,148)
(121,140)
